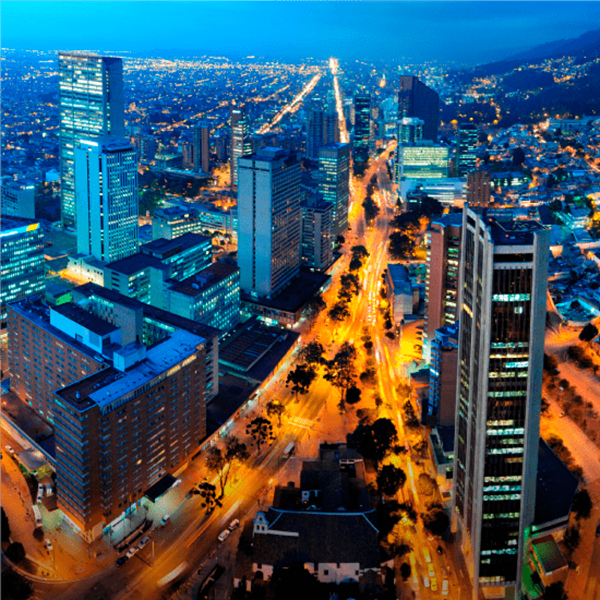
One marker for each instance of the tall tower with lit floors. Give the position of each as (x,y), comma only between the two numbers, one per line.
(502,315)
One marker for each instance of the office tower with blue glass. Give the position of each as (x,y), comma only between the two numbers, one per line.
(334,183)
(91,106)
(107,199)
(269,221)
(503,284)
(362,127)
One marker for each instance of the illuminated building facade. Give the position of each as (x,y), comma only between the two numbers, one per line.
(107,199)
(423,160)
(269,220)
(317,238)
(241,141)
(22,259)
(91,106)
(334,182)
(362,127)
(503,283)
(202,146)
(466,160)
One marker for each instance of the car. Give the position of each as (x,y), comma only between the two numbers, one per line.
(10,450)
(121,561)
(142,543)
(131,552)
(165,520)
(433,584)
(234,524)
(430,570)
(445,587)
(48,545)
(48,487)
(426,581)
(224,535)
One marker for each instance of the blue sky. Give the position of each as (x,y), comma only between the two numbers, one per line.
(456,31)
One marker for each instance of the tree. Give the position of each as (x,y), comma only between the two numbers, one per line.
(208,493)
(261,431)
(401,246)
(588,333)
(405,571)
(275,409)
(222,460)
(314,306)
(353,395)
(4,526)
(15,552)
(375,441)
(15,586)
(38,534)
(340,239)
(572,539)
(301,379)
(555,591)
(350,282)
(341,372)
(582,505)
(409,511)
(518,156)
(390,479)
(293,583)
(435,520)
(550,364)
(339,312)
(359,252)
(312,353)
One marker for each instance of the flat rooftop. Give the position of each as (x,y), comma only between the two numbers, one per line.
(247,345)
(197,284)
(163,248)
(135,263)
(85,319)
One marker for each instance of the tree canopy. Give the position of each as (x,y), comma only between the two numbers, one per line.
(390,479)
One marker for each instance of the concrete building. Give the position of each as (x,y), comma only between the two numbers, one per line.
(317,233)
(479,188)
(18,198)
(241,142)
(402,295)
(334,183)
(202,146)
(315,130)
(441,284)
(503,283)
(441,404)
(449,191)
(106,198)
(415,99)
(174,221)
(211,297)
(269,220)
(22,260)
(91,106)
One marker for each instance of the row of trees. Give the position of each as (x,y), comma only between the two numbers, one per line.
(369,204)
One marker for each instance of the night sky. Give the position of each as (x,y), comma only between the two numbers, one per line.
(471,32)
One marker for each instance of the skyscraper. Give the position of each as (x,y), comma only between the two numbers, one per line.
(107,199)
(334,182)
(423,159)
(415,99)
(315,129)
(91,106)
(269,220)
(241,142)
(18,199)
(362,127)
(503,281)
(441,285)
(331,125)
(410,130)
(479,188)
(467,141)
(317,224)
(202,146)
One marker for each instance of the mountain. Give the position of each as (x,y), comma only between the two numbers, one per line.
(585,46)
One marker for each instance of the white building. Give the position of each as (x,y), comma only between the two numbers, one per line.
(269,220)
(18,199)
(107,199)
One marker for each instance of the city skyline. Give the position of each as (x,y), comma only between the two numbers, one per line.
(495,30)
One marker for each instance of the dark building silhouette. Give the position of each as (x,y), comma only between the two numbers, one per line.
(415,99)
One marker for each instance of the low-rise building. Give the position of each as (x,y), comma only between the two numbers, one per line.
(402,295)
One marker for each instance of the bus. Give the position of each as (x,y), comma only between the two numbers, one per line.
(289,450)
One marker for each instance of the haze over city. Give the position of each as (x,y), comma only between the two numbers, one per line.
(300,300)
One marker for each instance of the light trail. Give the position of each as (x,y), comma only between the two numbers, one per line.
(344,137)
(293,106)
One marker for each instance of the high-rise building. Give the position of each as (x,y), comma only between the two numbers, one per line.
(466,159)
(241,142)
(315,129)
(269,220)
(317,236)
(479,185)
(91,106)
(334,182)
(22,260)
(362,127)
(503,283)
(423,160)
(18,199)
(202,146)
(106,198)
(187,155)
(441,404)
(331,126)
(441,284)
(415,99)
(410,130)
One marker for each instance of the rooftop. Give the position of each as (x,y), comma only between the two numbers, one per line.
(548,553)
(163,248)
(84,318)
(197,284)
(135,263)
